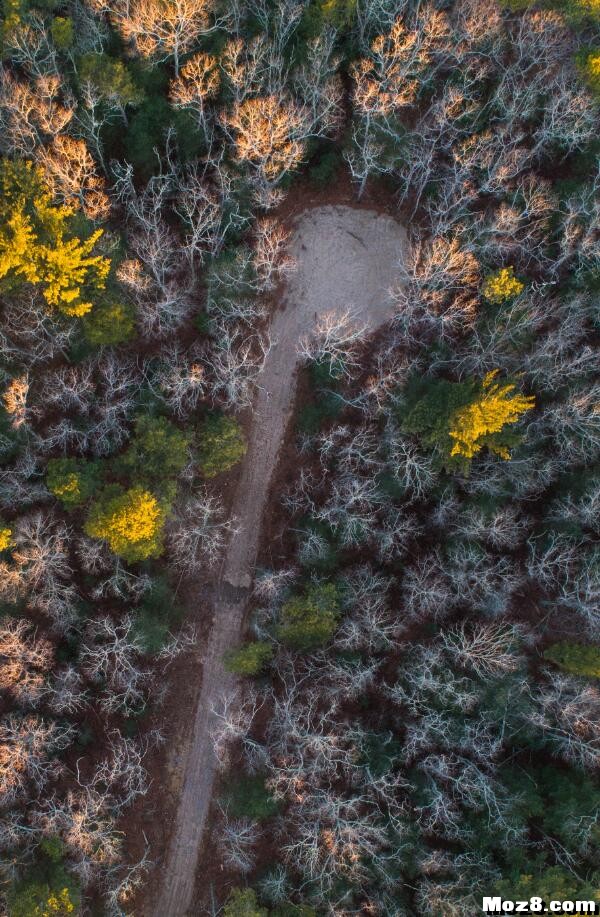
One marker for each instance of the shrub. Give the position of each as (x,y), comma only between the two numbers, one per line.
(243,902)
(293,910)
(248,797)
(11,18)
(157,613)
(248,659)
(325,167)
(562,801)
(579,11)
(202,323)
(109,322)
(575,658)
(313,416)
(71,481)
(338,13)
(158,451)
(110,77)
(319,14)
(62,32)
(151,631)
(222,445)
(502,286)
(53,848)
(148,127)
(459,419)
(131,521)
(48,890)
(517,5)
(554,882)
(310,620)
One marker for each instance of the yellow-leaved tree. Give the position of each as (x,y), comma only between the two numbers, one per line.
(495,406)
(459,419)
(502,286)
(58,904)
(38,245)
(131,521)
(5,536)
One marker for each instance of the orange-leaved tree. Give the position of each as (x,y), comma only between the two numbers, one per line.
(268,135)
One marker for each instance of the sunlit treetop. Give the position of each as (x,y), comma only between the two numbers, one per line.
(38,246)
(589,67)
(266,135)
(459,419)
(494,408)
(130,521)
(502,286)
(198,81)
(5,537)
(58,903)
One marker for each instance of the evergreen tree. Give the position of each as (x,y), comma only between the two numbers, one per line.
(158,451)
(310,620)
(222,445)
(576,658)
(249,659)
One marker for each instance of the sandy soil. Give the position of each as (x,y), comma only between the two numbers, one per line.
(345,257)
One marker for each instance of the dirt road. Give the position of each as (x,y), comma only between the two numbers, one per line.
(345,258)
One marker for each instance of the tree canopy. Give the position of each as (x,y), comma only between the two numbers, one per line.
(130,521)
(38,245)
(459,419)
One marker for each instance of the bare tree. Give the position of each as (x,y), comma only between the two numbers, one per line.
(110,656)
(197,534)
(27,747)
(336,339)
(566,713)
(486,649)
(161,31)
(25,661)
(237,840)
(86,826)
(195,86)
(66,694)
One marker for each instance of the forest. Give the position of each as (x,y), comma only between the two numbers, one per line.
(409,717)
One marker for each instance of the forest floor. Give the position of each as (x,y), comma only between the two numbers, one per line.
(344,258)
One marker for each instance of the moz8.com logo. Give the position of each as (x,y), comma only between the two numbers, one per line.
(535,905)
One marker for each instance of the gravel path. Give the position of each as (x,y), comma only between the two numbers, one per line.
(345,258)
